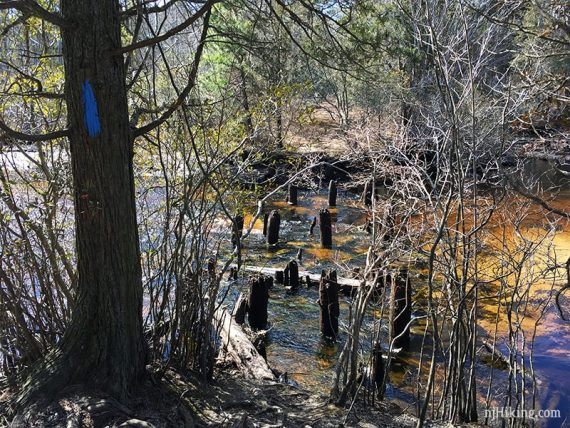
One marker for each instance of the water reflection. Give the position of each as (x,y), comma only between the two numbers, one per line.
(295,345)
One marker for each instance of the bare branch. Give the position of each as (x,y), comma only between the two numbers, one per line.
(32,8)
(184,93)
(172,32)
(29,137)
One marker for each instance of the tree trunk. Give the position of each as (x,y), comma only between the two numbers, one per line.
(103,345)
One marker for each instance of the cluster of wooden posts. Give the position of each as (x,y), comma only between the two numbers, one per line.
(256,302)
(272,220)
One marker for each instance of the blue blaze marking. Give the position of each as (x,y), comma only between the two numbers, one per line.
(91,114)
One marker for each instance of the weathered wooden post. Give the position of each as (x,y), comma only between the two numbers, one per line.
(274,223)
(400,310)
(300,255)
(292,199)
(212,268)
(378,370)
(237,229)
(308,281)
(293,270)
(325,225)
(367,194)
(328,301)
(279,278)
(240,309)
(332,193)
(286,276)
(313,224)
(257,302)
(265,221)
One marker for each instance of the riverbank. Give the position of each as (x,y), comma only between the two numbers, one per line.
(180,400)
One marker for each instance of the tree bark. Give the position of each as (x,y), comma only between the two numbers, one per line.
(104,344)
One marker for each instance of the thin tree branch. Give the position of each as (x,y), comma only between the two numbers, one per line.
(33,8)
(542,203)
(172,32)
(191,83)
(30,137)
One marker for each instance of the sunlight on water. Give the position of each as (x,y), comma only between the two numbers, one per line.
(295,345)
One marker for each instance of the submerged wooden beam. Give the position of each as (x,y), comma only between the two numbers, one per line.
(344,283)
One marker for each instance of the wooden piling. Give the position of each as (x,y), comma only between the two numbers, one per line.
(332,193)
(293,269)
(240,309)
(400,310)
(325,225)
(265,221)
(328,302)
(237,229)
(279,278)
(378,370)
(292,191)
(313,224)
(273,225)
(300,255)
(308,281)
(367,194)
(212,268)
(257,302)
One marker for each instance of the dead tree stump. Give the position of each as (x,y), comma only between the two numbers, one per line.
(332,193)
(325,224)
(240,309)
(400,310)
(273,225)
(257,302)
(292,198)
(265,221)
(313,224)
(328,301)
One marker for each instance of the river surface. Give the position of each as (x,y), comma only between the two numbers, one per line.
(294,343)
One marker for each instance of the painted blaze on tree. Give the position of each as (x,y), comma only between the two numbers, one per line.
(103,345)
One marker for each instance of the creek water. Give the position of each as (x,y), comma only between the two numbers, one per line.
(294,343)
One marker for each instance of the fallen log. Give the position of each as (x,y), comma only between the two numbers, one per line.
(237,348)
